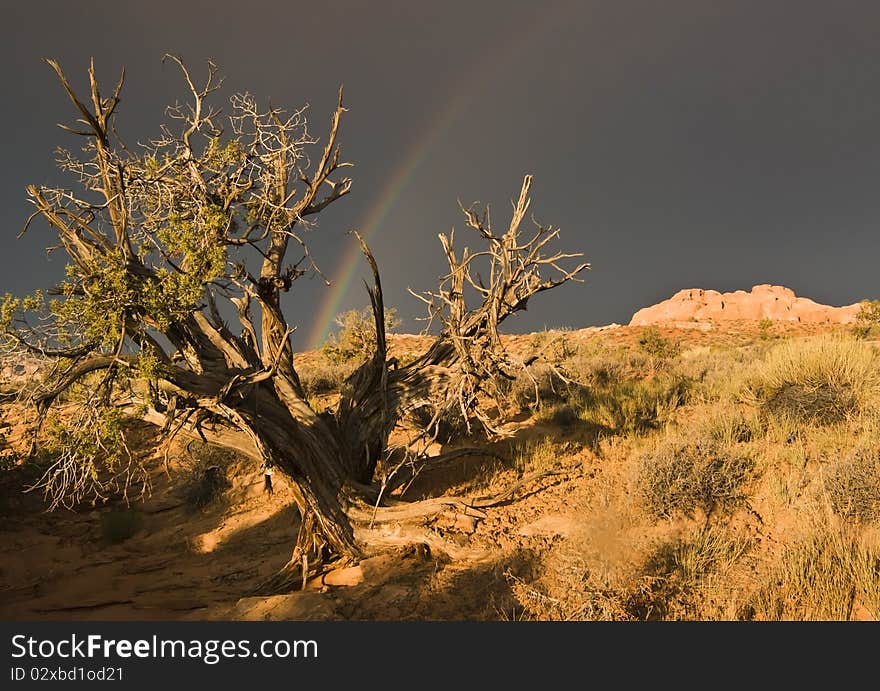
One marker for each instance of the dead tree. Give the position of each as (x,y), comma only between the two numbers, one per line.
(160,237)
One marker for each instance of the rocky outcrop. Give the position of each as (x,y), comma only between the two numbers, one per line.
(695,306)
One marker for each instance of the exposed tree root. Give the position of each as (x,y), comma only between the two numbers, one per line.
(310,557)
(412,511)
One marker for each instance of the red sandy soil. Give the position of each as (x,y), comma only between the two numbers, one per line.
(185,563)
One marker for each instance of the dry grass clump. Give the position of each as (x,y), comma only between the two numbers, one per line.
(205,470)
(616,389)
(561,414)
(822,576)
(815,381)
(635,406)
(675,581)
(708,550)
(719,373)
(572,593)
(853,484)
(687,575)
(682,475)
(627,407)
(598,364)
(727,424)
(601,369)
(538,455)
(321,377)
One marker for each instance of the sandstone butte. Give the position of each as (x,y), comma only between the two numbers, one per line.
(697,308)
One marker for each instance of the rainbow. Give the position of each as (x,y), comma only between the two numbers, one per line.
(404,173)
(352,257)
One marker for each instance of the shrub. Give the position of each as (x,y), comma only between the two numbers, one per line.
(559,349)
(869,312)
(622,406)
(680,576)
(599,363)
(538,339)
(818,380)
(861,331)
(867,319)
(682,476)
(356,338)
(603,371)
(853,485)
(657,345)
(721,373)
(206,474)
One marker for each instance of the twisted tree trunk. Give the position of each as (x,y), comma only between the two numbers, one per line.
(148,263)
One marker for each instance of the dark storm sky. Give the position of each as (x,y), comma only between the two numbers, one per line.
(677,143)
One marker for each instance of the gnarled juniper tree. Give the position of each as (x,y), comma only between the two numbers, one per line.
(159,236)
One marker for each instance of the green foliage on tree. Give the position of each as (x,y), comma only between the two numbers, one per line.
(356,338)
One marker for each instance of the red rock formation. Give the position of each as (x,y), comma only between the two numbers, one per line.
(695,306)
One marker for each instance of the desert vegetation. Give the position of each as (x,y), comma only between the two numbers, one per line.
(626,473)
(625,485)
(752,493)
